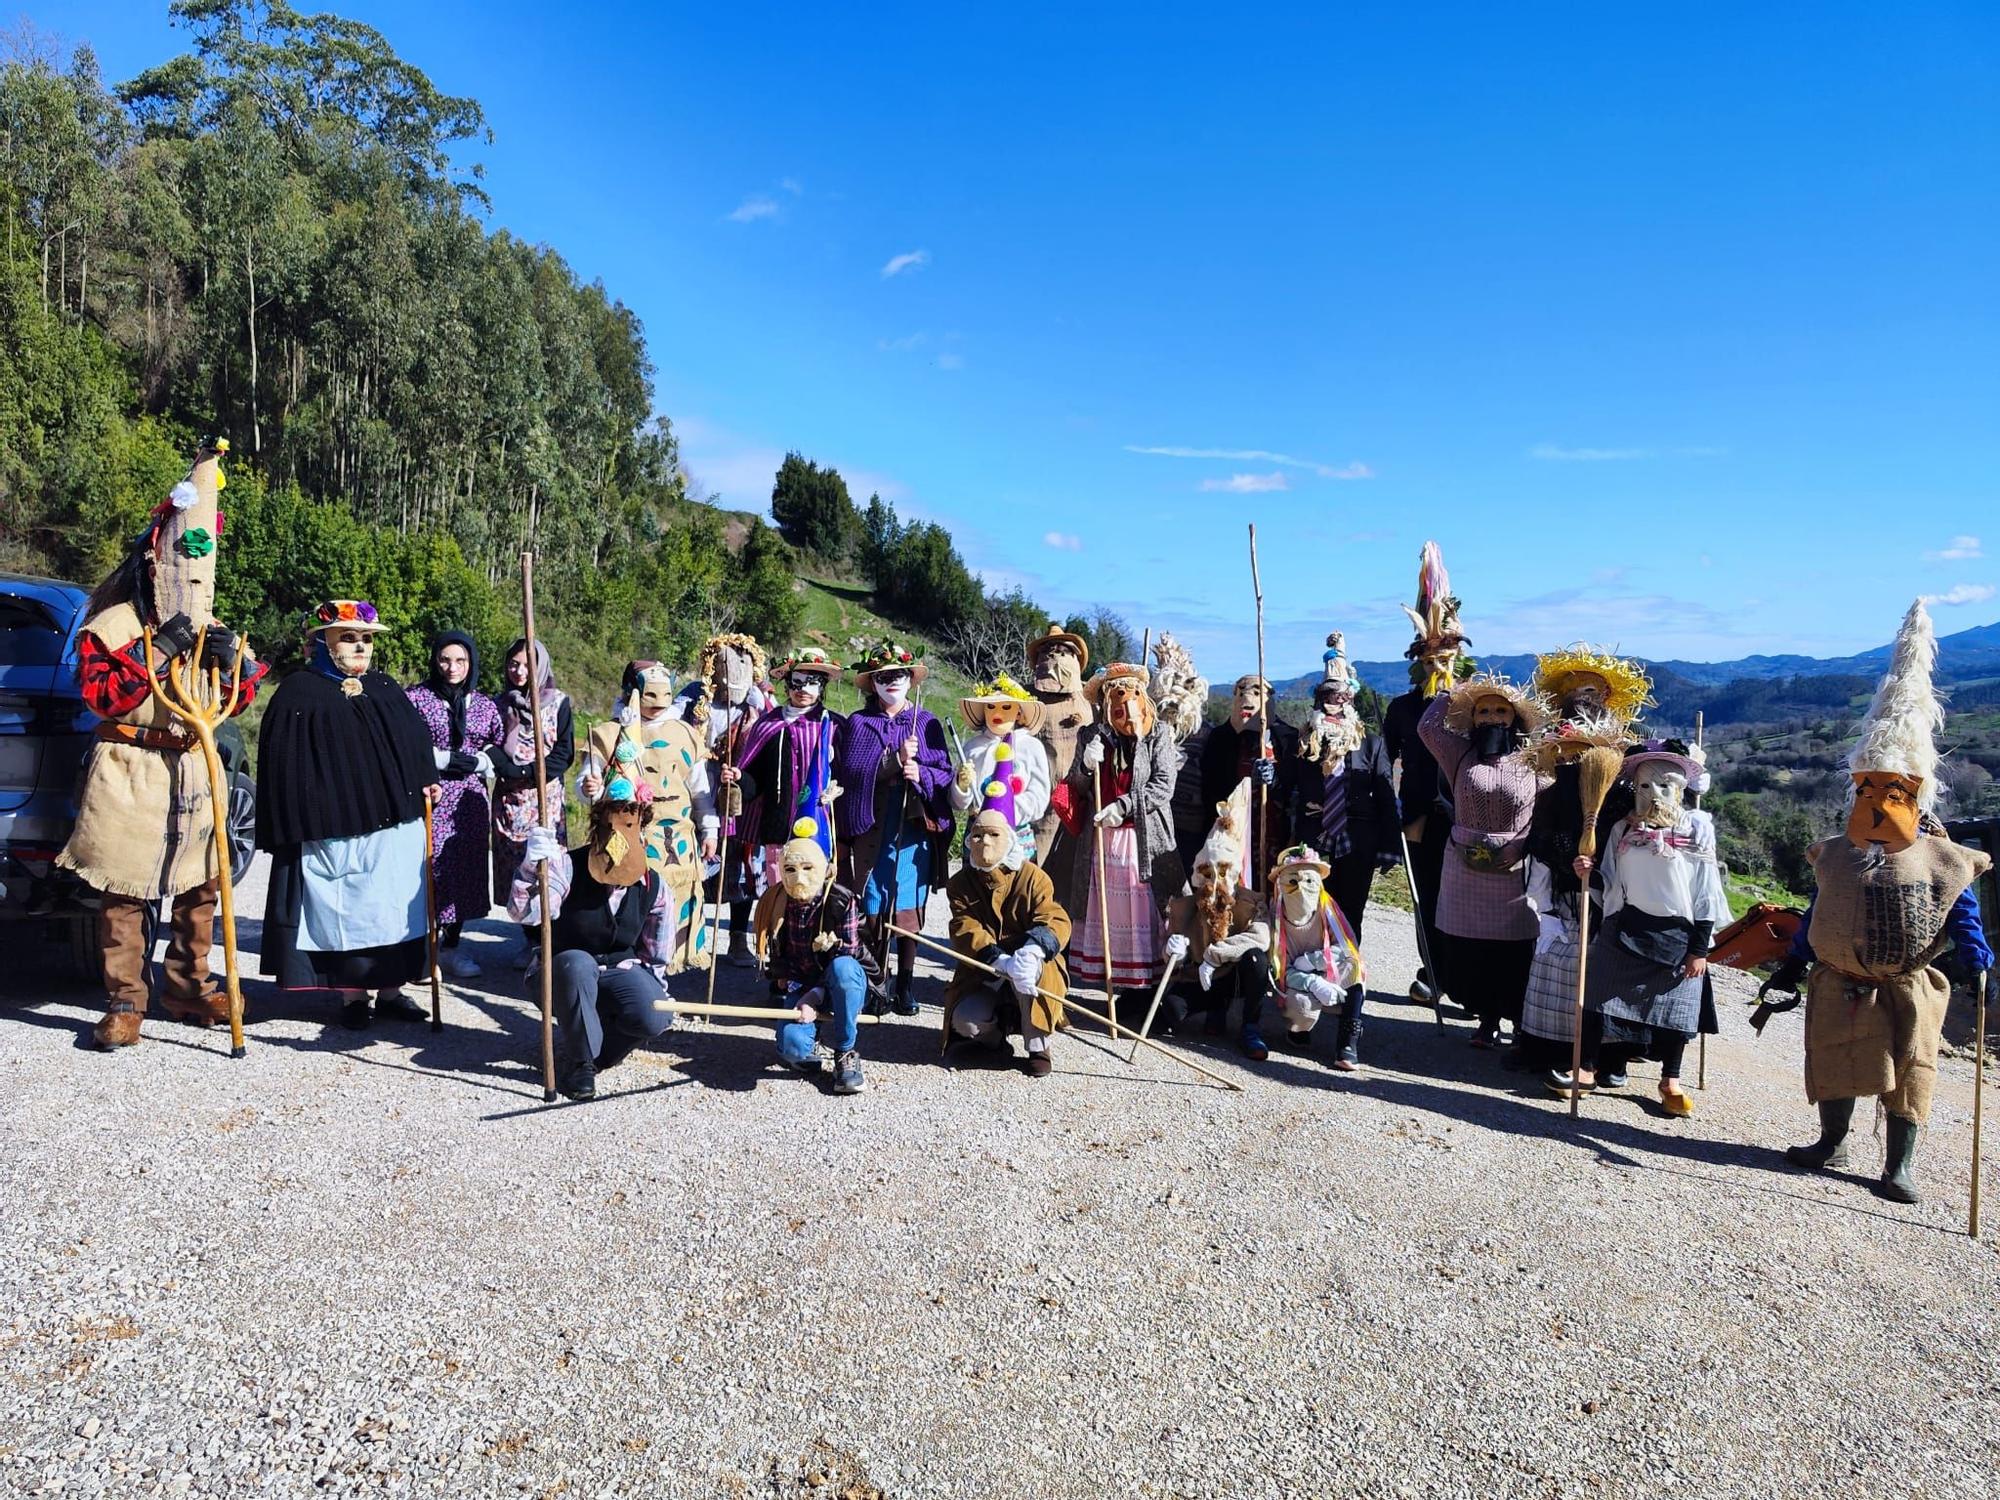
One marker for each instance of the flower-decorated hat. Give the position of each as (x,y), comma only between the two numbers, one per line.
(343,614)
(1002,689)
(887,656)
(809,659)
(1298,857)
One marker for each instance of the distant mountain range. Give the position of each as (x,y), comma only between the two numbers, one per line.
(1750,688)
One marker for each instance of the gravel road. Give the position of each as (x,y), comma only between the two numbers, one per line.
(376,1263)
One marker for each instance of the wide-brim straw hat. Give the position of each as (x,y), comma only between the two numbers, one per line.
(1299,857)
(1118,671)
(1003,689)
(880,661)
(1627,688)
(1056,635)
(344,614)
(1528,714)
(811,659)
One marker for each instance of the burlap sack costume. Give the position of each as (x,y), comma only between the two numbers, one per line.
(1875,1003)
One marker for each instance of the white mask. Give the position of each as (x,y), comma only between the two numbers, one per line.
(1301,891)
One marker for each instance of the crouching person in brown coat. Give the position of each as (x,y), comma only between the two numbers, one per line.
(1004,913)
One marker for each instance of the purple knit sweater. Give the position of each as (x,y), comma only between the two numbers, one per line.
(859,746)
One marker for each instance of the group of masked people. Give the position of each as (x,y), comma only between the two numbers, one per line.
(1207,879)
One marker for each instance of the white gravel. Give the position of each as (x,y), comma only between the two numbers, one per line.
(377,1263)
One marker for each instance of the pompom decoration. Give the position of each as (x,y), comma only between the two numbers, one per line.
(1003,752)
(993,789)
(1018,783)
(627,752)
(805,828)
(183,495)
(643,794)
(619,789)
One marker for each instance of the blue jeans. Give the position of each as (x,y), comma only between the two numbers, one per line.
(839,998)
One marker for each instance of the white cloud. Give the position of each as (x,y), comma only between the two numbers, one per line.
(1249,484)
(903,345)
(1962,593)
(1257,455)
(1960,549)
(793,186)
(1062,541)
(950,361)
(909,260)
(756,206)
(1556,453)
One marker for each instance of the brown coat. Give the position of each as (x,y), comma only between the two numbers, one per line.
(1064,718)
(145,820)
(1249,932)
(997,908)
(1875,1005)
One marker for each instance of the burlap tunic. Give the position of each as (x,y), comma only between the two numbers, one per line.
(145,819)
(1875,1004)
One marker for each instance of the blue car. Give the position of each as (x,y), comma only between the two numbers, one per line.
(45,733)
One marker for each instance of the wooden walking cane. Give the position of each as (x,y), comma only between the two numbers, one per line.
(196,698)
(431,917)
(1596,772)
(1258,834)
(542,812)
(1423,933)
(1187,1062)
(1978,1096)
(722,864)
(1701,1057)
(1104,895)
(1159,991)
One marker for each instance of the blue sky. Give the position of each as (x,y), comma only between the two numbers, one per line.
(1676,325)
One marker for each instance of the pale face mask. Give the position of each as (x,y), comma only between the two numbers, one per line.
(988,841)
(892,690)
(1001,718)
(351,650)
(1212,874)
(1246,701)
(655,698)
(1299,893)
(802,689)
(802,870)
(735,674)
(1657,791)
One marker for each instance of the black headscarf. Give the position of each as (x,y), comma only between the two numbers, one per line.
(454,694)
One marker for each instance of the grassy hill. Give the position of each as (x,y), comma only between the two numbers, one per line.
(840,619)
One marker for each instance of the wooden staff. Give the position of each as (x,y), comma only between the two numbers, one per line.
(1159,990)
(1257,835)
(1701,1056)
(1596,771)
(199,701)
(722,866)
(542,811)
(743,1012)
(1978,1096)
(1104,897)
(1423,933)
(1187,1062)
(431,917)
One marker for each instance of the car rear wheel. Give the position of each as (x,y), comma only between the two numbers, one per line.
(78,945)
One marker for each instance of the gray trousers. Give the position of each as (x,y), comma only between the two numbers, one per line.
(603,1014)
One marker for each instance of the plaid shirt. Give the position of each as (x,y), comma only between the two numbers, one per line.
(114,683)
(794,958)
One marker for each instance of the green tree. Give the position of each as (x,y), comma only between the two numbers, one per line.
(812,509)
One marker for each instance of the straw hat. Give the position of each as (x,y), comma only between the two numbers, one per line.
(343,614)
(1002,689)
(809,659)
(886,656)
(1528,714)
(1056,635)
(1118,671)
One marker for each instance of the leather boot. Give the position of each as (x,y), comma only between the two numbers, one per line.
(119,1026)
(1830,1150)
(1897,1185)
(210,1008)
(1347,1058)
(740,953)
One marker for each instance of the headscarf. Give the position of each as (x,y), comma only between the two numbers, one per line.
(454,695)
(516,743)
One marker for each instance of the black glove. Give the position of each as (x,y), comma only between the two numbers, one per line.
(1785,980)
(174,637)
(1960,969)
(461,765)
(1266,771)
(219,644)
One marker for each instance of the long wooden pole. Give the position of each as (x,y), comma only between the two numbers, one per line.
(1978,1097)
(542,812)
(722,866)
(1104,894)
(431,916)
(1258,836)
(1701,1056)
(1159,992)
(1187,1062)
(1576,1025)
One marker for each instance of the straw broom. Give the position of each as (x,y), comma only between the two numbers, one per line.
(1596,772)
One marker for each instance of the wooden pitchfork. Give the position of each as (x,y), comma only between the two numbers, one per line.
(195,695)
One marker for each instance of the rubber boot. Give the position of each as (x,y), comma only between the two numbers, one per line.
(1897,1185)
(1347,1058)
(1830,1150)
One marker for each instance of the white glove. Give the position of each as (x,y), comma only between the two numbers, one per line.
(1177,948)
(1547,930)
(485,759)
(1206,974)
(1093,755)
(1026,973)
(440,758)
(540,845)
(1324,991)
(1112,813)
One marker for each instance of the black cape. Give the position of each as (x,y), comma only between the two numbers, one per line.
(332,767)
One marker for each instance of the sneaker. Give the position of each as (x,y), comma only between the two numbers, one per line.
(1612,1080)
(1563,1086)
(1252,1043)
(847,1077)
(458,963)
